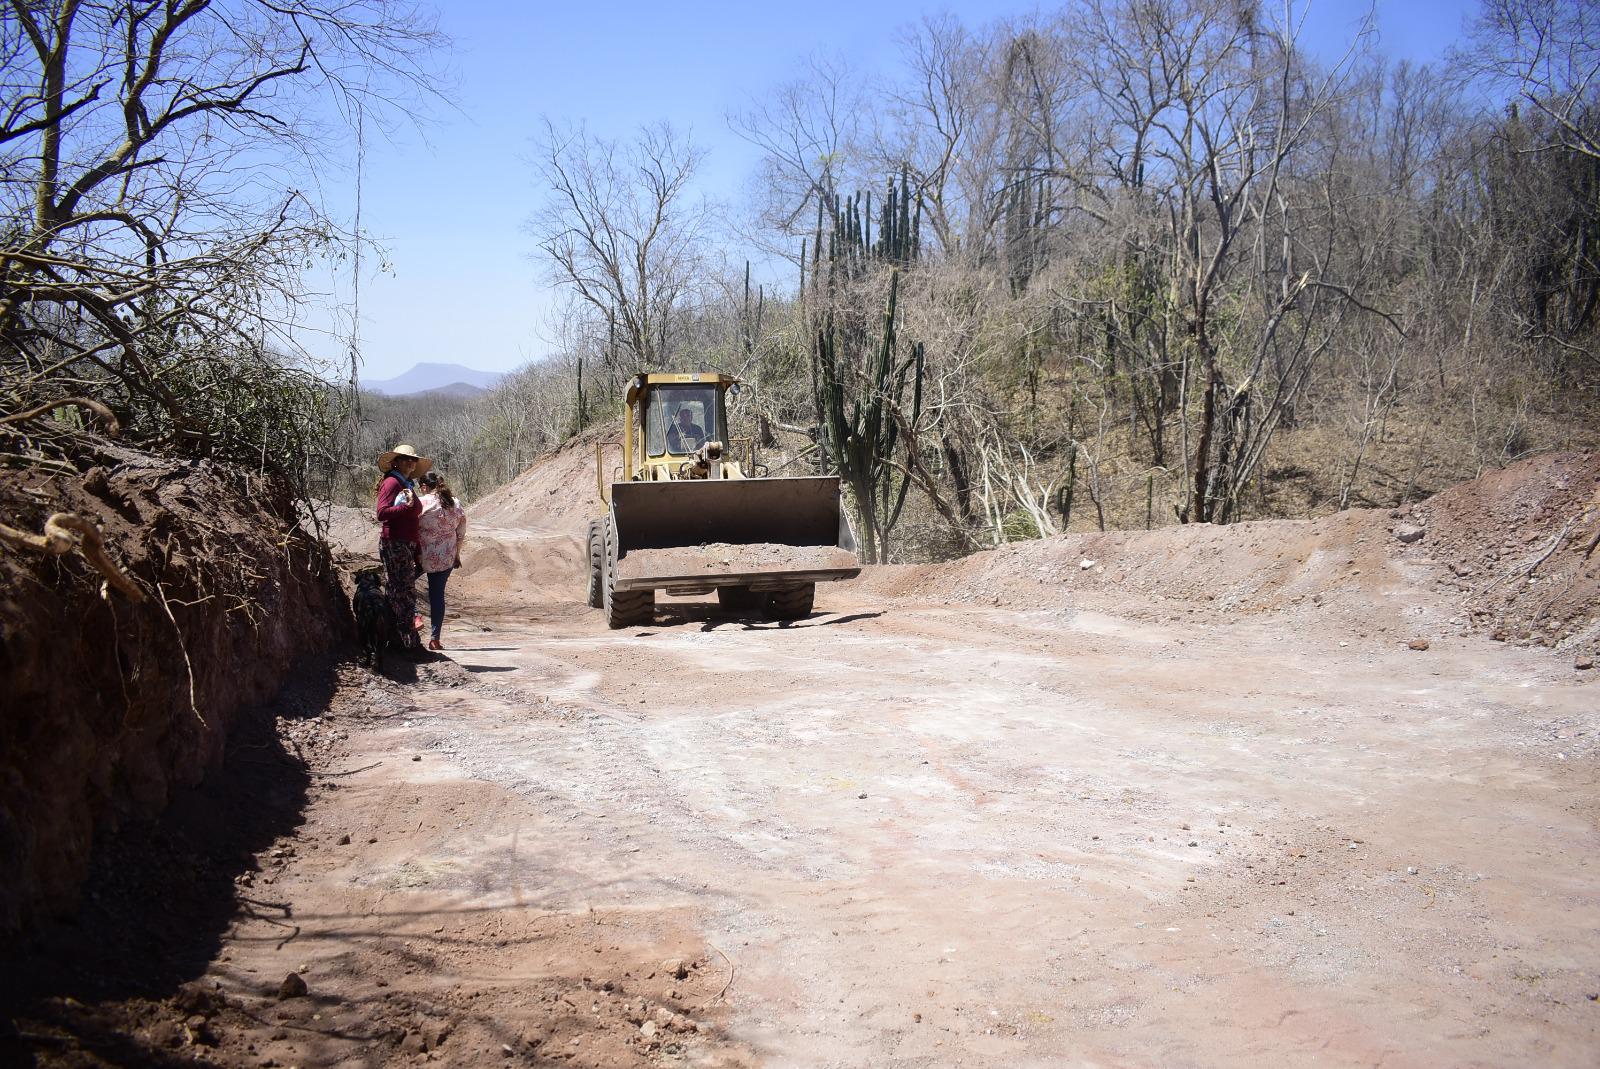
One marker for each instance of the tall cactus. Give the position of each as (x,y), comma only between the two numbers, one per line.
(862,444)
(897,225)
(848,362)
(851,248)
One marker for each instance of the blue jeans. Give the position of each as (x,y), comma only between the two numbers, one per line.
(436,581)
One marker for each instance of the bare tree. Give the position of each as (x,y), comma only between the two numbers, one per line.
(808,130)
(1546,52)
(624,232)
(152,255)
(936,119)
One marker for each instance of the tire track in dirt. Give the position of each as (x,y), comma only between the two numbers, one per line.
(1194,803)
(1020,874)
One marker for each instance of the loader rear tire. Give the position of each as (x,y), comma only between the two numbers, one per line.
(629,608)
(597,564)
(790,603)
(738,598)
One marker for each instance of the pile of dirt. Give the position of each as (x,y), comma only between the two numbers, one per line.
(557,493)
(507,570)
(1480,541)
(351,531)
(1245,567)
(1481,546)
(111,702)
(526,542)
(1521,546)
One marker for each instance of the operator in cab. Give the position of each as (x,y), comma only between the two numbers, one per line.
(685,435)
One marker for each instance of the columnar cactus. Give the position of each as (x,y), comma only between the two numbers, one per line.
(862,444)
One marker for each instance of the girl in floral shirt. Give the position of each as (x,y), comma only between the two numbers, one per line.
(441,529)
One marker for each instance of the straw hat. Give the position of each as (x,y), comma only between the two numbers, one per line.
(386,461)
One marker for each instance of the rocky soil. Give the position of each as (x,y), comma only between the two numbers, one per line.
(1284,794)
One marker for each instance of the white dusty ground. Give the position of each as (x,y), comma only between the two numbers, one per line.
(912,832)
(939,837)
(1195,802)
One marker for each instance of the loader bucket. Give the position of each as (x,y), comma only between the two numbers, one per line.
(693,535)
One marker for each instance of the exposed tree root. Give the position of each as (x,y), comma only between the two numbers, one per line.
(112,427)
(66,531)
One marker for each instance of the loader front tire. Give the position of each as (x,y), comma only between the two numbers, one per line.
(790,603)
(629,608)
(737,598)
(597,564)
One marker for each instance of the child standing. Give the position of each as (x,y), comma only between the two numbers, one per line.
(441,529)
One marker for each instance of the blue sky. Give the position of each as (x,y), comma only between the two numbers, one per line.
(461,285)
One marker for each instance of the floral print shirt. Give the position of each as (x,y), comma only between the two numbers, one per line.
(440,531)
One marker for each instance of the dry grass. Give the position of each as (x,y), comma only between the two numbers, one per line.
(1311,470)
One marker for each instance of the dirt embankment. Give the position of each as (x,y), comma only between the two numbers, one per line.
(110,704)
(1521,547)
(558,492)
(1512,553)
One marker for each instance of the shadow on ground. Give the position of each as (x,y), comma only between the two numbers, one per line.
(711,616)
(89,987)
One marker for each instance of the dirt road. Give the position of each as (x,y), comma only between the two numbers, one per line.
(1181,798)
(925,834)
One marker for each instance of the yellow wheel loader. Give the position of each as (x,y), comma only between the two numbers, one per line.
(685,512)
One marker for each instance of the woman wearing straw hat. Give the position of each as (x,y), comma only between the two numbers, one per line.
(399,505)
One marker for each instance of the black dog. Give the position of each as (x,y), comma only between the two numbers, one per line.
(375,623)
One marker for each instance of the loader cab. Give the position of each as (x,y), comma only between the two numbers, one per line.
(680,417)
(669,418)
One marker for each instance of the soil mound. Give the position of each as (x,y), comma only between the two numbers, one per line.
(352,531)
(527,541)
(557,493)
(109,703)
(507,570)
(1521,546)
(1245,567)
(1507,551)
(1481,543)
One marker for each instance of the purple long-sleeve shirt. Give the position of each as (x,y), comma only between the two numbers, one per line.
(399,521)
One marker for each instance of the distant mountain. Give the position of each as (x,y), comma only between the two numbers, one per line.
(425,377)
(460,391)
